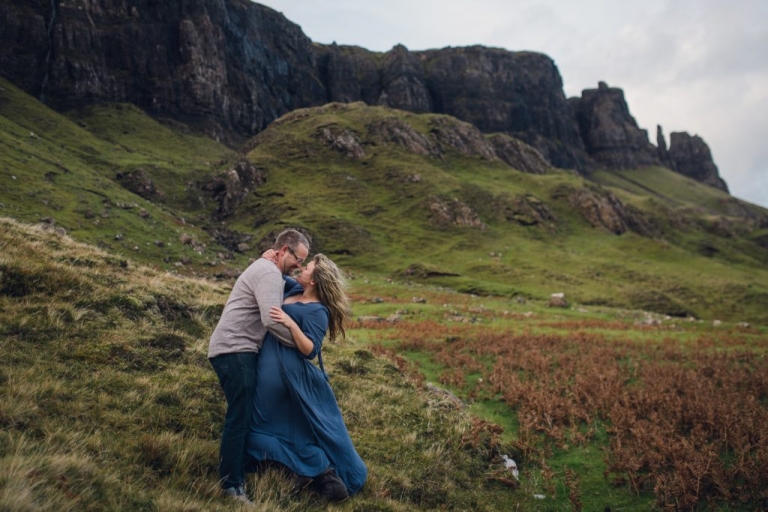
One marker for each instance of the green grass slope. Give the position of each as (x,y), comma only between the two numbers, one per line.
(388,191)
(382,211)
(108,401)
(64,170)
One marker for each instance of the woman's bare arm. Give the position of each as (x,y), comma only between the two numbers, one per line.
(303,343)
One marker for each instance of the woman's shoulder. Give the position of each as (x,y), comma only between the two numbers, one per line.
(316,310)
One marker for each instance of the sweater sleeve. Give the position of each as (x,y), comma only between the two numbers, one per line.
(269,292)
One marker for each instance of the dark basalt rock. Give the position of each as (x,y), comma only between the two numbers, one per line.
(518,93)
(403,82)
(230,67)
(690,156)
(611,135)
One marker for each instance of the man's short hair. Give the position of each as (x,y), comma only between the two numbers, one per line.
(292,239)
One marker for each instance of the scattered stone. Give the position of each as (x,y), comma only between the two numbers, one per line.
(529,314)
(229,273)
(243,247)
(715,323)
(160,243)
(447,212)
(583,310)
(512,466)
(140,183)
(519,299)
(144,214)
(344,141)
(419,300)
(89,214)
(185,239)
(377,300)
(444,393)
(394,319)
(119,237)
(370,318)
(557,300)
(743,324)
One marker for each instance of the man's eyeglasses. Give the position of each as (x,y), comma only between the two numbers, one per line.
(299,261)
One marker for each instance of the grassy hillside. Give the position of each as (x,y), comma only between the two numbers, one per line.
(108,401)
(65,170)
(377,211)
(388,191)
(623,399)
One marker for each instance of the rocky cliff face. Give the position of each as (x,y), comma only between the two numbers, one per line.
(231,67)
(517,93)
(227,65)
(690,156)
(611,135)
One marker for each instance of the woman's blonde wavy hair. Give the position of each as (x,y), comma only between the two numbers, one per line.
(332,291)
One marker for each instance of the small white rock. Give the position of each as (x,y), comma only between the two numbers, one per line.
(512,466)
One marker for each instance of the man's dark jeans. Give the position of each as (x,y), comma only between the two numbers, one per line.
(237,376)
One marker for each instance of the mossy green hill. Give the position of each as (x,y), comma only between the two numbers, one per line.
(108,402)
(423,196)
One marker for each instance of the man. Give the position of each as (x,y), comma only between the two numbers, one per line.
(235,344)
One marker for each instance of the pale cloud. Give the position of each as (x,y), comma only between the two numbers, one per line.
(690,65)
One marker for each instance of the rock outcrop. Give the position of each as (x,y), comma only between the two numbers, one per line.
(519,155)
(610,133)
(690,156)
(601,209)
(232,187)
(446,212)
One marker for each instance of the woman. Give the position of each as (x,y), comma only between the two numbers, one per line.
(297,420)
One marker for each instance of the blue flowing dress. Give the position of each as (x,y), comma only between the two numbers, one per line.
(297,421)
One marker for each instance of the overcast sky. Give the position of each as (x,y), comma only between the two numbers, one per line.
(699,66)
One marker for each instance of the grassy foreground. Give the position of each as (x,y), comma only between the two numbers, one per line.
(108,401)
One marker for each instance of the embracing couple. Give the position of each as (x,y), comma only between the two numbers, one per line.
(280,408)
